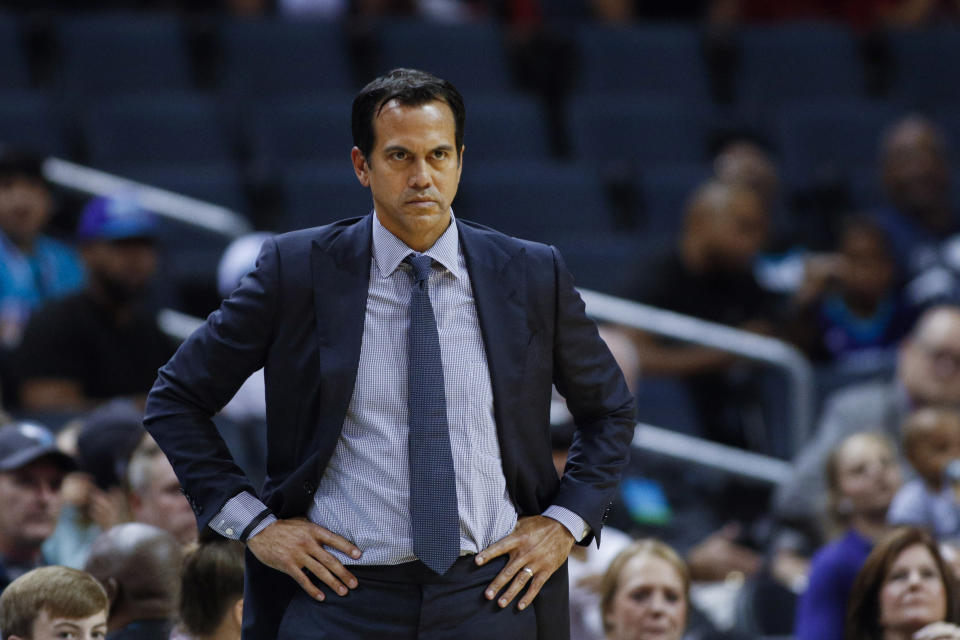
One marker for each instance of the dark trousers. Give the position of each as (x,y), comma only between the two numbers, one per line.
(410,602)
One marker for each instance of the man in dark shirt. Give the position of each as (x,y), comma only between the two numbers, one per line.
(708,275)
(100,342)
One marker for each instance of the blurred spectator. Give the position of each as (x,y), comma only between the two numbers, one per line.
(645,593)
(920,213)
(155,496)
(709,275)
(585,565)
(931,442)
(928,374)
(51,603)
(101,342)
(211,592)
(93,498)
(848,310)
(139,567)
(33,267)
(31,471)
(862,476)
(622,11)
(239,259)
(905,590)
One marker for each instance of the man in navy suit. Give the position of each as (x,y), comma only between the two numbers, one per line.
(409,360)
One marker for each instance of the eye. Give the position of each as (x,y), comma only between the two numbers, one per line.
(440,154)
(398,155)
(671,596)
(640,595)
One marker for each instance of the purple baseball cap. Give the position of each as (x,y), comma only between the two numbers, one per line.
(116,218)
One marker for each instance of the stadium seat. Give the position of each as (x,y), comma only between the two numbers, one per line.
(642,60)
(114,54)
(216,183)
(28,120)
(535,200)
(319,193)
(600,261)
(827,137)
(864,186)
(925,73)
(314,128)
(644,132)
(665,191)
(156,128)
(14,73)
(471,56)
(802,61)
(279,58)
(505,127)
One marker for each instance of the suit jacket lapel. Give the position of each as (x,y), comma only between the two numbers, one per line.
(499,290)
(341,274)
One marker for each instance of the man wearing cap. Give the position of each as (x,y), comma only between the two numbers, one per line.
(100,342)
(31,470)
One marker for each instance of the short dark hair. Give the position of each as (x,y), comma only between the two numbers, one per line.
(210,583)
(409,87)
(21,164)
(863,611)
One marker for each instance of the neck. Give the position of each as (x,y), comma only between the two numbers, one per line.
(148,611)
(870,527)
(897,634)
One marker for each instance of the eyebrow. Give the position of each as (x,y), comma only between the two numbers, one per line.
(397,147)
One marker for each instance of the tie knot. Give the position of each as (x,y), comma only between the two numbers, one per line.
(421,264)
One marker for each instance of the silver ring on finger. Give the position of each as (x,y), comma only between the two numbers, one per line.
(528,571)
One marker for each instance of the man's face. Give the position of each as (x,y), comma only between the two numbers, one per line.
(163,504)
(47,627)
(413,170)
(929,363)
(29,505)
(123,267)
(738,232)
(915,172)
(25,208)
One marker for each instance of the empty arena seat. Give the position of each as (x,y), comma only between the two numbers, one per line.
(216,183)
(535,200)
(642,131)
(301,128)
(801,61)
(505,127)
(284,57)
(29,120)
(14,72)
(113,54)
(925,73)
(156,128)
(471,56)
(644,60)
(828,137)
(319,193)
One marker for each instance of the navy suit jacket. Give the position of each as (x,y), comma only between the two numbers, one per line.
(300,315)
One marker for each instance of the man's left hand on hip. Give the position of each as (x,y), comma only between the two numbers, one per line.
(537,547)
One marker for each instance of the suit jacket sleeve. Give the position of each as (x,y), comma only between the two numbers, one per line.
(603,409)
(201,378)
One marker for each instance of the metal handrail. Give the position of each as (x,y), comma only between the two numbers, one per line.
(162,202)
(710,334)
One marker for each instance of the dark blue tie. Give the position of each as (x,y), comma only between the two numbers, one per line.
(433,490)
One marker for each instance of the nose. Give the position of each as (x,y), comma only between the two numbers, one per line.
(419,175)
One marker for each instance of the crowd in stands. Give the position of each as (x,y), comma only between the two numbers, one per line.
(867,287)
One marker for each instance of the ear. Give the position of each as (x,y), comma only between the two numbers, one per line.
(360,166)
(238,613)
(112,587)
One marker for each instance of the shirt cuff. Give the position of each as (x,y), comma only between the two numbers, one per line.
(237,514)
(576,525)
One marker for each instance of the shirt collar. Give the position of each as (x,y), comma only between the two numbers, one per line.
(389,251)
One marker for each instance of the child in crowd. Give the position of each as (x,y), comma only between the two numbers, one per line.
(848,306)
(931,442)
(52,603)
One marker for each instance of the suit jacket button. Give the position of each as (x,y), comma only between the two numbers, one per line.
(308,487)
